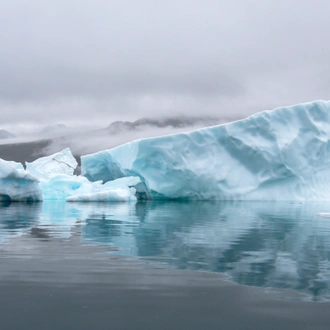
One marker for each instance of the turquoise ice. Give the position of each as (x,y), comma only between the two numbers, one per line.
(283,154)
(17,184)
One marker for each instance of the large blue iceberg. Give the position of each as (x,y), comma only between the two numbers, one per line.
(283,154)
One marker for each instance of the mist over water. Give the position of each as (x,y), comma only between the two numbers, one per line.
(277,245)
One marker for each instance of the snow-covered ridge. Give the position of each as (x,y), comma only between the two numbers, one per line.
(282,154)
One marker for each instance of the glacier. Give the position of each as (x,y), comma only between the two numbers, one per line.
(283,154)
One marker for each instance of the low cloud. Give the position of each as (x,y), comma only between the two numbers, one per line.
(93,141)
(104,60)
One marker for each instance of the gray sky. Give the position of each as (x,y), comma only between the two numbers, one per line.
(91,62)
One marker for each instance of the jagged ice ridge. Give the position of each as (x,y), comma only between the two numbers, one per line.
(282,154)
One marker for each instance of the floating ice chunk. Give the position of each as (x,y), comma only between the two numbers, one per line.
(130,181)
(17,184)
(78,188)
(59,163)
(282,154)
(56,182)
(116,195)
(324,215)
(141,191)
(120,190)
(60,187)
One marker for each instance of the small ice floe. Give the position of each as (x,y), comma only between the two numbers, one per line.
(324,215)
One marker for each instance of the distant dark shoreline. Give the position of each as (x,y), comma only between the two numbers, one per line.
(26,151)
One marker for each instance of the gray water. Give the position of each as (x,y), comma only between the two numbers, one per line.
(276,245)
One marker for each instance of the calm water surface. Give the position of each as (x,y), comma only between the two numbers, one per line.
(263,244)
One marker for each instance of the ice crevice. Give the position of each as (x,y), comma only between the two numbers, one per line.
(55,160)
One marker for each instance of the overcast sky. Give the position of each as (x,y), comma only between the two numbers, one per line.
(92,62)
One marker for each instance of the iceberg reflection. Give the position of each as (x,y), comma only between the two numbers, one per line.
(276,245)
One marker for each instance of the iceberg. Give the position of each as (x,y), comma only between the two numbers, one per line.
(16,165)
(118,195)
(79,189)
(120,190)
(59,182)
(53,178)
(59,163)
(324,215)
(283,154)
(17,184)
